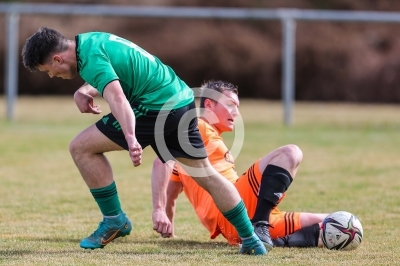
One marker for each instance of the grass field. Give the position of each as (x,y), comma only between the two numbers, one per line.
(351,162)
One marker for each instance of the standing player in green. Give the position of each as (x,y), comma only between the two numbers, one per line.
(140,91)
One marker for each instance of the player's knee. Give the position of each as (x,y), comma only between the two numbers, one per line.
(75,148)
(293,153)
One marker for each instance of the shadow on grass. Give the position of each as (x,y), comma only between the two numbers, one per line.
(138,247)
(188,244)
(180,247)
(163,242)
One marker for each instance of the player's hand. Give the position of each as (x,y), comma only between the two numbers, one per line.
(161,223)
(135,152)
(85,103)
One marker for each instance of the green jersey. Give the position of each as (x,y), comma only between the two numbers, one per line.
(147,83)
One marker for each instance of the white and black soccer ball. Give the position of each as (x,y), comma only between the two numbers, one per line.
(342,231)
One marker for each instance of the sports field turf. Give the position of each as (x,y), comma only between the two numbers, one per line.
(351,162)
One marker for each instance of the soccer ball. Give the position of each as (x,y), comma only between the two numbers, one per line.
(341,231)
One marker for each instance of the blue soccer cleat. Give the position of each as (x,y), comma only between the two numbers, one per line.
(108,230)
(252,246)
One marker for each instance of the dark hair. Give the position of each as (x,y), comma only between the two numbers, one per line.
(215,87)
(40,45)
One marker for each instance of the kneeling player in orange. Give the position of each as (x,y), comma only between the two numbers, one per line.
(261,187)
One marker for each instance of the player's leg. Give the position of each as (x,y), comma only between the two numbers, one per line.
(305,227)
(224,193)
(228,201)
(313,220)
(87,151)
(304,238)
(308,218)
(288,157)
(278,169)
(248,186)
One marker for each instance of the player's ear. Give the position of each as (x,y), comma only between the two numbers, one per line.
(208,103)
(57,58)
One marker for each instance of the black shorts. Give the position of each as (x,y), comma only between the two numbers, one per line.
(171,133)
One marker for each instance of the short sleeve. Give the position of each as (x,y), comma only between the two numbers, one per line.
(98,72)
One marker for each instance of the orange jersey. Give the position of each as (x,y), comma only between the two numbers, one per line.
(218,154)
(200,199)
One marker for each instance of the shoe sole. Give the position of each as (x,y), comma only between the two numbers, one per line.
(117,236)
(252,252)
(268,247)
(102,246)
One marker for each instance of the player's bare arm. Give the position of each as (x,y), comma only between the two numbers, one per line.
(122,111)
(173,191)
(84,99)
(159,182)
(165,193)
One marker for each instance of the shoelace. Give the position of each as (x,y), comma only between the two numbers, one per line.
(100,230)
(264,229)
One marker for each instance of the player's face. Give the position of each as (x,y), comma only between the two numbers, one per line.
(226,110)
(57,67)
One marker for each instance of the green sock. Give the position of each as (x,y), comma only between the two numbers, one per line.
(107,199)
(240,220)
